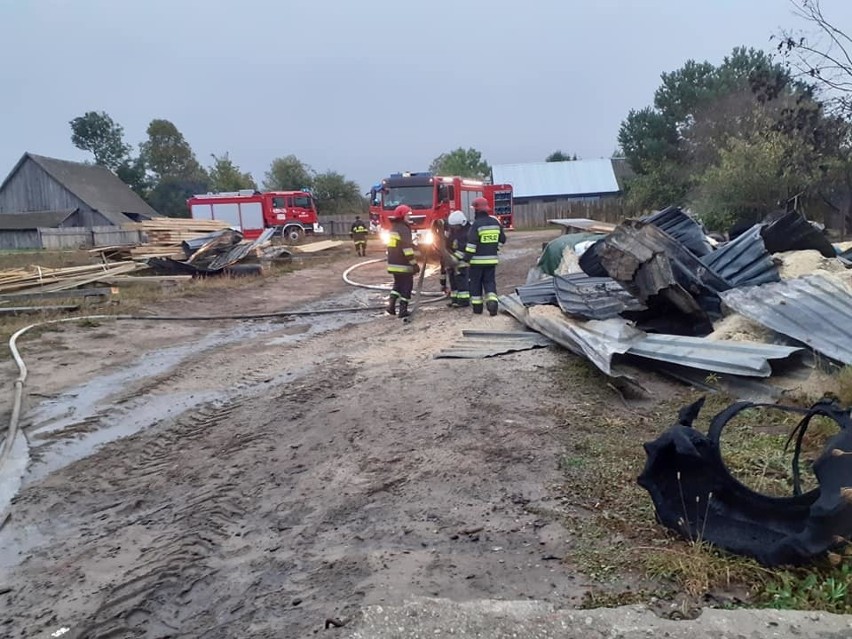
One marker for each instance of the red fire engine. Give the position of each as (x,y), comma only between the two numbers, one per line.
(251,211)
(433,197)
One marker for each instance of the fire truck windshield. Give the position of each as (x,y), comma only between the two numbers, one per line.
(417,197)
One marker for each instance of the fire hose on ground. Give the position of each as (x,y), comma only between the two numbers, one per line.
(12,431)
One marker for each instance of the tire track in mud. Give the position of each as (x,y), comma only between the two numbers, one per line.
(189,534)
(152,596)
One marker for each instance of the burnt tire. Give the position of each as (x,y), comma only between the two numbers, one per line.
(244,270)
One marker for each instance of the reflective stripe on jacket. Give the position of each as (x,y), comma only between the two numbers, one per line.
(401,258)
(484,239)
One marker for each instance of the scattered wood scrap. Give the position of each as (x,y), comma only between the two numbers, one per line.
(315,247)
(47,280)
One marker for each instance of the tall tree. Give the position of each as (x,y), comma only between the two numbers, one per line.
(559,156)
(134,174)
(99,133)
(170,194)
(697,110)
(226,176)
(753,177)
(288,173)
(462,162)
(335,194)
(167,154)
(824,55)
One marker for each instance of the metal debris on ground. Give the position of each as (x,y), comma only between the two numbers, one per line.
(793,232)
(603,342)
(581,295)
(652,265)
(666,281)
(744,261)
(719,356)
(476,344)
(813,310)
(674,222)
(696,496)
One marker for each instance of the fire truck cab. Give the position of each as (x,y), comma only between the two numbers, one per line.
(250,212)
(432,198)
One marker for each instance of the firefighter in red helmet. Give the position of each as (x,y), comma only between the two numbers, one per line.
(483,242)
(402,260)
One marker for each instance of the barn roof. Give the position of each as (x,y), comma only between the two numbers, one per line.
(574,178)
(95,185)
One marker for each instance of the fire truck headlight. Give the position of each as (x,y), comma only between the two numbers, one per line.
(427,238)
(384,236)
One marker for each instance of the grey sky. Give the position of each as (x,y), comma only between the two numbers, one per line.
(363,87)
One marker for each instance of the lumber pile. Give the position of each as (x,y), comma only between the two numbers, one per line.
(165,231)
(163,237)
(48,280)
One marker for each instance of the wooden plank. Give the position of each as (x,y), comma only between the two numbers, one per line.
(314,247)
(147,279)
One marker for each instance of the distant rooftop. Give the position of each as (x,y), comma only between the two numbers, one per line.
(574,178)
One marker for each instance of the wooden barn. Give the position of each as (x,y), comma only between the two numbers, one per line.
(94,193)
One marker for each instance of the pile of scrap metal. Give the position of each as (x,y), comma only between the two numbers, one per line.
(224,252)
(649,292)
(696,496)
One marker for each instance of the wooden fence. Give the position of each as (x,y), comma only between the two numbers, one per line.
(67,238)
(536,214)
(526,216)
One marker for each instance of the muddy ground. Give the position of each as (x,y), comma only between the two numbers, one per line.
(254,479)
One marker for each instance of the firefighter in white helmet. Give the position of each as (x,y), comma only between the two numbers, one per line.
(456,243)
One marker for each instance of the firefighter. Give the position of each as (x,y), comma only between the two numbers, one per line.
(359,233)
(483,243)
(402,261)
(439,247)
(456,243)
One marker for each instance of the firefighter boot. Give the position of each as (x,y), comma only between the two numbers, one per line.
(391,309)
(403,309)
(492,308)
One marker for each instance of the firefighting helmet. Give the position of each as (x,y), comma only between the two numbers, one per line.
(456,218)
(480,204)
(400,212)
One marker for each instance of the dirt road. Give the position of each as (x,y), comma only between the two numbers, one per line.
(260,478)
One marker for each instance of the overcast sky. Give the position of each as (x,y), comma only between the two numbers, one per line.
(364,87)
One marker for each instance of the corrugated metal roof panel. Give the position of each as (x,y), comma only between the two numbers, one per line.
(745,261)
(720,356)
(576,178)
(537,293)
(596,340)
(681,227)
(593,297)
(813,310)
(581,296)
(482,344)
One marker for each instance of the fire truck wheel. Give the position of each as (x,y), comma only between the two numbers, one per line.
(293,234)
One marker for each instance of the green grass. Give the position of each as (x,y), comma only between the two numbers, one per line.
(615,540)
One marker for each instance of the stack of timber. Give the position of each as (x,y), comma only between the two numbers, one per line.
(49,280)
(164,236)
